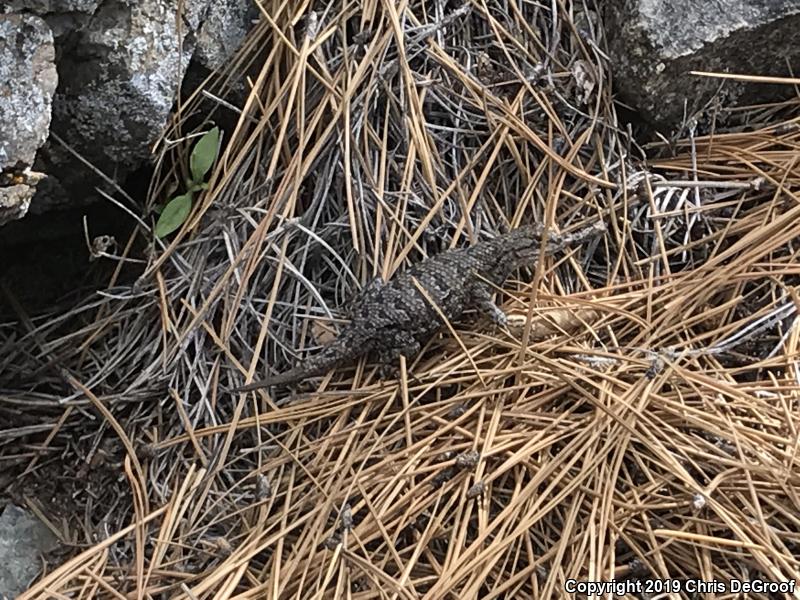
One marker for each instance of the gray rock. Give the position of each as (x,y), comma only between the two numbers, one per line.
(655,43)
(121,72)
(63,16)
(23,539)
(119,82)
(42,7)
(224,29)
(28,81)
(15,200)
(121,65)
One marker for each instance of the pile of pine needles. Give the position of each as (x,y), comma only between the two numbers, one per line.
(637,419)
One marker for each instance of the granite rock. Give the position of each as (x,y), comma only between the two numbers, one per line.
(23,540)
(28,82)
(655,43)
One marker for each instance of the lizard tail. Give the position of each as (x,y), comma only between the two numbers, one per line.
(342,349)
(289,376)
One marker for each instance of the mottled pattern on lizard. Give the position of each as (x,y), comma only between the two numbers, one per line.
(396,318)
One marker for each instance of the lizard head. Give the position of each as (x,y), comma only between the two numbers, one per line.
(504,254)
(522,246)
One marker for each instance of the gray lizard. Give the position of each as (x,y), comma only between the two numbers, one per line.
(396,318)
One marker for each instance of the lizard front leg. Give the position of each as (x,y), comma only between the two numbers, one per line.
(482,298)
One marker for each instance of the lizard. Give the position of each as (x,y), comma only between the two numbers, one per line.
(396,318)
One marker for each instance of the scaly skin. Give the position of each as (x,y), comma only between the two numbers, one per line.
(396,318)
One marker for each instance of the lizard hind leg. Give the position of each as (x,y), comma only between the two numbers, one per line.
(367,294)
(402,345)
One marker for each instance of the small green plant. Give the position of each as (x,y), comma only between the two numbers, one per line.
(201,160)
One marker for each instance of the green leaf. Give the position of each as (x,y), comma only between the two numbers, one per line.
(173,215)
(197,187)
(204,154)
